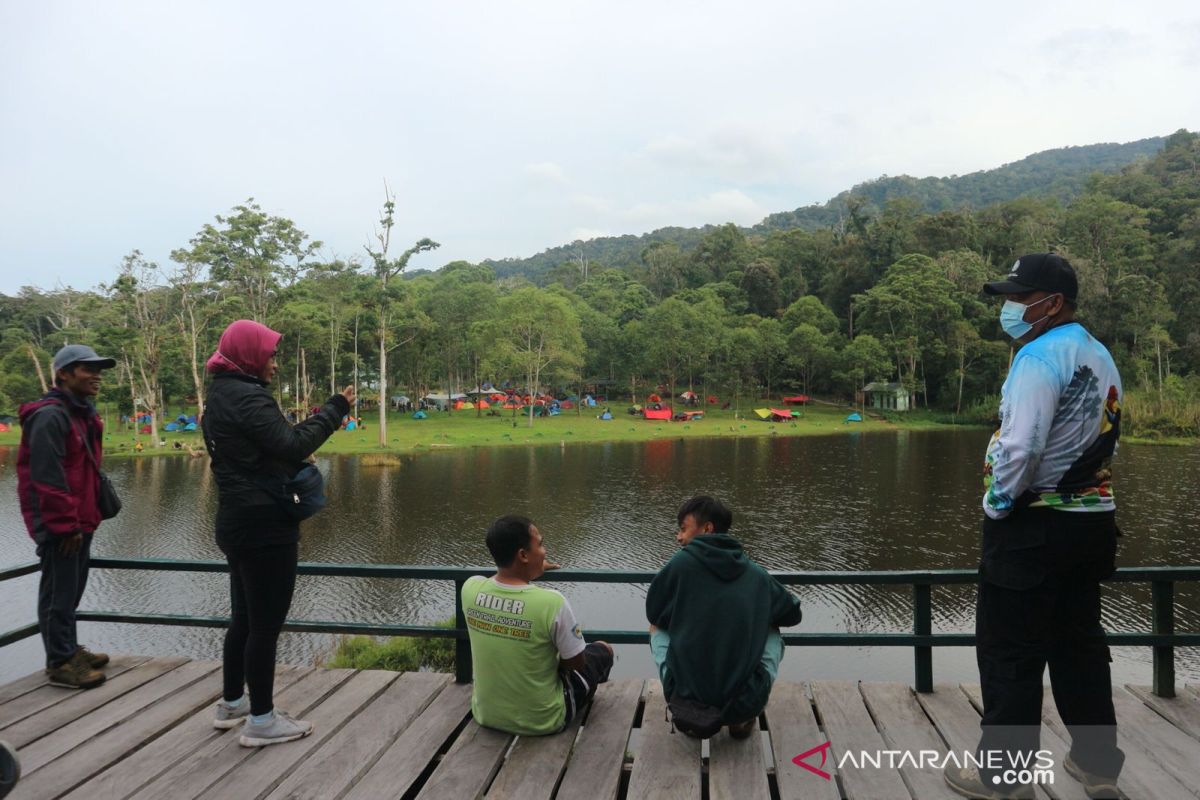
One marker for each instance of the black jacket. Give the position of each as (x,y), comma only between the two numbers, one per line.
(248,440)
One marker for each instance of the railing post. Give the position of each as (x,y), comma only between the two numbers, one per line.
(462,645)
(1163,597)
(923,626)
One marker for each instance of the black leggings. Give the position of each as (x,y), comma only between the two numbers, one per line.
(261,581)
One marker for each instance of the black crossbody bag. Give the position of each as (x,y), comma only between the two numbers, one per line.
(107,498)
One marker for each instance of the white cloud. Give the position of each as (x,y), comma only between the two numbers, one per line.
(740,154)
(547,171)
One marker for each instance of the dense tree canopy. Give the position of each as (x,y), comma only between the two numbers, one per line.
(887,292)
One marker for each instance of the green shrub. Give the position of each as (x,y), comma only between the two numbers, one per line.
(399,653)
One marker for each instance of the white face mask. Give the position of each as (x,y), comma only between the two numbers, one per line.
(1012,317)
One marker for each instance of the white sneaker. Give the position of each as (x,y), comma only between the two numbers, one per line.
(230,717)
(278,729)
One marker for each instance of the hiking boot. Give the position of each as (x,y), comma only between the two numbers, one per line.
(94,660)
(75,674)
(968,782)
(229,716)
(278,729)
(742,730)
(1094,786)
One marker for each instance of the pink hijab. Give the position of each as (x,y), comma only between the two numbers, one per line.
(245,347)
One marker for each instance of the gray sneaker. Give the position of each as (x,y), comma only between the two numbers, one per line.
(228,717)
(277,730)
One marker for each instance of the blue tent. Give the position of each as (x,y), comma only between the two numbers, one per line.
(855,417)
(191,426)
(171,426)
(192,418)
(351,425)
(418,415)
(606,415)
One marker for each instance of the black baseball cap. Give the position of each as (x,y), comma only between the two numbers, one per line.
(1049,272)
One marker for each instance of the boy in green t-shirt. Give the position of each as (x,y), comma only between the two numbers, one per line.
(533,671)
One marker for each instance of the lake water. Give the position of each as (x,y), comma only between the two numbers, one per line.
(905,500)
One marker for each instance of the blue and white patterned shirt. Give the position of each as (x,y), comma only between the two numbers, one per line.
(1060,418)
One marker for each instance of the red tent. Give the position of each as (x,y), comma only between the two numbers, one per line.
(796,400)
(661,413)
(4,428)
(653,399)
(781,413)
(712,400)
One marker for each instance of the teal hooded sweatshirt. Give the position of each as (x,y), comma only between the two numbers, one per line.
(718,606)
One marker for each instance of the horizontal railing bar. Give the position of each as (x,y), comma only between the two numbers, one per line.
(8,573)
(17,634)
(616,636)
(399,571)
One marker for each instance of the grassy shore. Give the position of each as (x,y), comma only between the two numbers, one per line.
(464,429)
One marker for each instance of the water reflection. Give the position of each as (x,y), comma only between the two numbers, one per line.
(851,502)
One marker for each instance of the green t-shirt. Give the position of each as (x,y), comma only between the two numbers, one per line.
(518,634)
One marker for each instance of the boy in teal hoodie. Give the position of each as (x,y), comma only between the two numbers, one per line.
(714,616)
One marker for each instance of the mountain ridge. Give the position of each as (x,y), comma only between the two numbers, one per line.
(1060,173)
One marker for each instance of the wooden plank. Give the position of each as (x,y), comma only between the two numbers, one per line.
(667,764)
(1168,760)
(149,762)
(257,775)
(736,768)
(794,730)
(90,726)
(23,685)
(353,750)
(30,703)
(95,755)
(405,761)
(468,768)
(905,727)
(534,766)
(851,730)
(1183,710)
(80,703)
(594,770)
(204,767)
(1063,787)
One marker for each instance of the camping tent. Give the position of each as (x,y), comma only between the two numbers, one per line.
(657,413)
(442,401)
(795,400)
(418,415)
(773,414)
(855,417)
(4,427)
(606,415)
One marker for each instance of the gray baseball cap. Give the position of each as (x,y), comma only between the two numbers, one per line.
(74,353)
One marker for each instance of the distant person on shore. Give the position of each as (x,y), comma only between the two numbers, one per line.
(253,448)
(1049,536)
(58,483)
(714,617)
(533,671)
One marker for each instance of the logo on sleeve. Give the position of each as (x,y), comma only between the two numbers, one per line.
(577,631)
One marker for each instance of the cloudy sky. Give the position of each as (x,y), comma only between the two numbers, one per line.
(507,127)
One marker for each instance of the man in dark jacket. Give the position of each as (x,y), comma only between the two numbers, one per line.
(713,616)
(58,481)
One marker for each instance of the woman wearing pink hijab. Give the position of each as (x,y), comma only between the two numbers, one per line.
(251,444)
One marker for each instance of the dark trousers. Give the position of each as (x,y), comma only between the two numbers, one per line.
(579,685)
(1039,605)
(59,592)
(261,582)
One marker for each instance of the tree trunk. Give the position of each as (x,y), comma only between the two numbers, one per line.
(194,335)
(356,366)
(37,365)
(382,383)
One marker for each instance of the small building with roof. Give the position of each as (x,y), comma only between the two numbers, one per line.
(887,396)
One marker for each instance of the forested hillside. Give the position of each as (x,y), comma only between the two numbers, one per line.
(892,294)
(1061,174)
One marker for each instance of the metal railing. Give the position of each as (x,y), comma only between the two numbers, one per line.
(1162,637)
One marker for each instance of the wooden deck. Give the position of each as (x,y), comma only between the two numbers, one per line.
(147,733)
